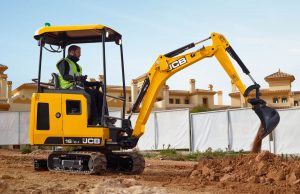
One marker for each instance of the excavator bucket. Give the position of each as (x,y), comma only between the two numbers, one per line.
(269,118)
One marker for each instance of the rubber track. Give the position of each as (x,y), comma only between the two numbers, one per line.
(96,164)
(138,163)
(137,160)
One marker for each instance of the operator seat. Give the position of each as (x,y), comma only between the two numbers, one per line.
(55,81)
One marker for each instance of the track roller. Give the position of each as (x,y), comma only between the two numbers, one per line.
(125,162)
(77,162)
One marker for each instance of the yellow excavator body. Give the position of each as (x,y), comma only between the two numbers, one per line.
(59,117)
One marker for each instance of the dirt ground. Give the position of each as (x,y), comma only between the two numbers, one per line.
(253,173)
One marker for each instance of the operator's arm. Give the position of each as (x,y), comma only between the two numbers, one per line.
(64,70)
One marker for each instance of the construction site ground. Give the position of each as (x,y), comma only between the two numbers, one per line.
(252,173)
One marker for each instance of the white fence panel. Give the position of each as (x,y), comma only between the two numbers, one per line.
(173,129)
(148,140)
(24,127)
(287,133)
(9,128)
(244,124)
(209,130)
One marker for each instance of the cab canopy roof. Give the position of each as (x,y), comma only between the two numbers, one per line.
(66,35)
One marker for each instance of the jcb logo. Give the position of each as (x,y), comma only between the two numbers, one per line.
(91,140)
(177,63)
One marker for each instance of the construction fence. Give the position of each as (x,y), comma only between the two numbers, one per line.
(221,130)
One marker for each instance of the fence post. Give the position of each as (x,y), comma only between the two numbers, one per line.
(229,131)
(274,141)
(19,130)
(191,133)
(155,130)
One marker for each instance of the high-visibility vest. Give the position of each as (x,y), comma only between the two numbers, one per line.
(64,84)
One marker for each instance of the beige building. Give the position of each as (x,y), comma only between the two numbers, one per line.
(21,97)
(173,99)
(167,99)
(278,95)
(5,89)
(16,100)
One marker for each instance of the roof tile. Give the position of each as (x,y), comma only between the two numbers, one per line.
(278,75)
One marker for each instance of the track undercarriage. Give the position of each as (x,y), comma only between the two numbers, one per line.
(86,162)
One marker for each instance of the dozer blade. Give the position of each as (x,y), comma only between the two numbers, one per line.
(269,118)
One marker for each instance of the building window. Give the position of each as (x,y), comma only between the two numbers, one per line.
(171,101)
(177,101)
(158,99)
(275,100)
(204,101)
(284,100)
(186,101)
(296,103)
(129,99)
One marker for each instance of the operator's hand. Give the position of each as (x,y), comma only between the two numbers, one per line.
(99,83)
(93,84)
(81,79)
(84,77)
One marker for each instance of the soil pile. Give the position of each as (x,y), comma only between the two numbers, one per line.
(253,173)
(260,169)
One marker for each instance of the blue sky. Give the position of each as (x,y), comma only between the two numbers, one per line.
(265,34)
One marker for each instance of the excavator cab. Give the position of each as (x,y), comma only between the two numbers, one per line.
(63,113)
(59,117)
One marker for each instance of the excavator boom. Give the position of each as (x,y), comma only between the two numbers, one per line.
(167,65)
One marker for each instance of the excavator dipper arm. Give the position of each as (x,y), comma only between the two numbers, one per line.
(167,65)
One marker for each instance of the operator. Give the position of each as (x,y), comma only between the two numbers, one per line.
(71,75)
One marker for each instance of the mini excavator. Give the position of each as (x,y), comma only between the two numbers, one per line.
(59,117)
